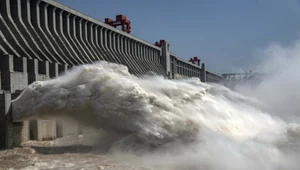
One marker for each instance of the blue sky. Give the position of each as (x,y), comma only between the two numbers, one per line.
(225,34)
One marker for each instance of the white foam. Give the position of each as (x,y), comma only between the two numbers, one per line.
(220,129)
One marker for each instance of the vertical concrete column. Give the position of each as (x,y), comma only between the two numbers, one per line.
(158,56)
(43,68)
(42,130)
(131,42)
(53,70)
(136,49)
(47,66)
(117,48)
(97,37)
(32,70)
(60,24)
(24,64)
(2,122)
(112,49)
(12,80)
(151,54)
(101,42)
(15,133)
(174,67)
(6,67)
(193,72)
(92,36)
(144,52)
(124,50)
(154,55)
(62,68)
(45,33)
(181,68)
(107,42)
(139,51)
(203,73)
(66,29)
(148,54)
(130,46)
(86,28)
(187,73)
(54,17)
(166,58)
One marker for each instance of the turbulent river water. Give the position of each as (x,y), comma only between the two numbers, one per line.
(154,123)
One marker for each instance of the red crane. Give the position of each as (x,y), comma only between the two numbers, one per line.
(194,60)
(159,44)
(121,20)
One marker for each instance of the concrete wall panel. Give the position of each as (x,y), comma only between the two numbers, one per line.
(42,130)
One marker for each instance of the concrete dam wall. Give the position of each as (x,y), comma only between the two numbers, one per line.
(39,39)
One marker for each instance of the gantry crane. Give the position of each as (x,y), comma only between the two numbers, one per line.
(121,20)
(194,60)
(160,42)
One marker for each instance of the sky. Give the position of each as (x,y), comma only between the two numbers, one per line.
(224,34)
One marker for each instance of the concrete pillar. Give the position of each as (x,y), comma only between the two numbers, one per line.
(19,64)
(148,54)
(2,121)
(152,54)
(203,73)
(13,80)
(144,52)
(74,33)
(92,37)
(42,129)
(32,67)
(139,53)
(62,68)
(166,58)
(6,67)
(11,134)
(53,70)
(43,67)
(86,32)
(174,66)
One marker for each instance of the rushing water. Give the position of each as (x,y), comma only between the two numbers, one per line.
(173,124)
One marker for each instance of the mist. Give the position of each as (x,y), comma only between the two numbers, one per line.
(279,90)
(181,124)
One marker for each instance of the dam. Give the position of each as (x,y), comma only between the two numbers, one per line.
(42,39)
